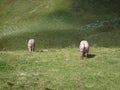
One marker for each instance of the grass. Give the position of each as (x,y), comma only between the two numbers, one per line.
(60,69)
(56,25)
(61,38)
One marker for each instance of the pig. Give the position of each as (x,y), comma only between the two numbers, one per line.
(84,48)
(31,45)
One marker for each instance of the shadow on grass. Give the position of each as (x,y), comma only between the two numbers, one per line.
(91,55)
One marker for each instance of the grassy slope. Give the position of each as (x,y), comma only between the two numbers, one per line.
(60,69)
(47,21)
(59,31)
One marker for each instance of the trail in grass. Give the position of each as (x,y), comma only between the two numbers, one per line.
(99,23)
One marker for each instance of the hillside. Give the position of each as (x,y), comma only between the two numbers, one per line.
(58,26)
(48,20)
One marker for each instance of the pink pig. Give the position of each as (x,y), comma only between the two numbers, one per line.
(84,48)
(31,45)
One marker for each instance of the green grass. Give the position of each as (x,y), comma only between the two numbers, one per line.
(60,69)
(59,26)
(61,38)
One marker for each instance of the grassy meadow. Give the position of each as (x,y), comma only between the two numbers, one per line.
(60,69)
(58,26)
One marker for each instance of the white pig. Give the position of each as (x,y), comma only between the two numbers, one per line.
(84,48)
(31,45)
